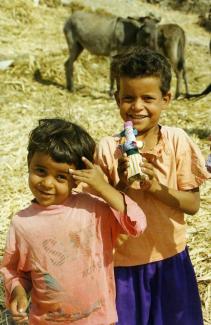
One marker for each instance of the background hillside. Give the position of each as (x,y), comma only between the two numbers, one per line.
(32,37)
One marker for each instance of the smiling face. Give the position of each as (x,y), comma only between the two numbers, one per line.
(49,181)
(141,101)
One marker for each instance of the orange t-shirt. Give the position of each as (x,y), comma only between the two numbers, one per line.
(179,165)
(64,255)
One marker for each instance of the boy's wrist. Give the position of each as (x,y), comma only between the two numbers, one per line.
(121,186)
(18,291)
(154,187)
(102,188)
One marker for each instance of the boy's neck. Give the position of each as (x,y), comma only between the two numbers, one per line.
(150,138)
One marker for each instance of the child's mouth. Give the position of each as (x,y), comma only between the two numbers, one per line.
(137,117)
(46,193)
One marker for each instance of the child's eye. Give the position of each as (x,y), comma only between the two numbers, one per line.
(127,99)
(62,177)
(148,99)
(40,171)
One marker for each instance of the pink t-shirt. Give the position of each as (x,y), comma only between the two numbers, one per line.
(63,254)
(178,164)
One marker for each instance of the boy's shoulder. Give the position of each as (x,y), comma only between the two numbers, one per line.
(81,201)
(173,131)
(110,139)
(181,143)
(22,217)
(108,146)
(26,211)
(175,135)
(84,200)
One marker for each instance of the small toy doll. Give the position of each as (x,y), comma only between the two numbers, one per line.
(131,148)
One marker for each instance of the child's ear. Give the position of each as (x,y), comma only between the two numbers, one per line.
(166,99)
(116,95)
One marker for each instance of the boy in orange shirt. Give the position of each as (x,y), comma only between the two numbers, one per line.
(59,249)
(155,280)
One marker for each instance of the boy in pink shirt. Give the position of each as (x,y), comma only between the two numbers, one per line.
(59,249)
(155,280)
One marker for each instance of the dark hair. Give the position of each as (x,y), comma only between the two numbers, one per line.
(64,141)
(137,62)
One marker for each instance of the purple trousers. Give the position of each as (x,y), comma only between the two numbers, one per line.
(158,293)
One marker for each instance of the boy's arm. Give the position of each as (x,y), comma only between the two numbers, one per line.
(13,276)
(130,215)
(186,201)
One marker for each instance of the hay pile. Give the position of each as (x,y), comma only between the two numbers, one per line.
(32,37)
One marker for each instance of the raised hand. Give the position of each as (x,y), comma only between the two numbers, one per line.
(92,175)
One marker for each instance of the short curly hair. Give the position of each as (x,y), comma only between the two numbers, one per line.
(137,62)
(62,140)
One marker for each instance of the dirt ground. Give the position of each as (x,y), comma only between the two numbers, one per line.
(31,36)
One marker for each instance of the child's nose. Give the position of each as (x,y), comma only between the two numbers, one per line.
(138,104)
(47,182)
